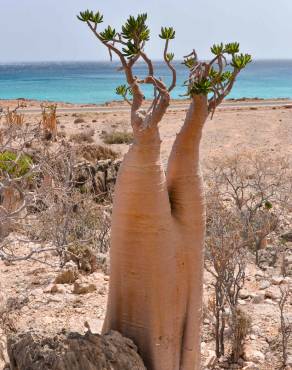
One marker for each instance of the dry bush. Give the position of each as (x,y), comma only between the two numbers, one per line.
(225,261)
(59,198)
(94,152)
(14,118)
(49,120)
(241,327)
(117,137)
(17,171)
(285,323)
(247,196)
(84,136)
(79,120)
(257,186)
(64,213)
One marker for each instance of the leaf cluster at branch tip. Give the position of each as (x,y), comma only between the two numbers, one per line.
(167,33)
(240,61)
(123,90)
(169,57)
(108,34)
(218,76)
(90,16)
(189,62)
(136,32)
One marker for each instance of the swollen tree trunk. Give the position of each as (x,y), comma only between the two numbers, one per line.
(158,226)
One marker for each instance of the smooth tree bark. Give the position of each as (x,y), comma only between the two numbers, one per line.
(158,222)
(158,228)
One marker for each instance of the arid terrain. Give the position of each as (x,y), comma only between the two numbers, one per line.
(28,287)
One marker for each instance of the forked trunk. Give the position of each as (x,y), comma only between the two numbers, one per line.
(155,295)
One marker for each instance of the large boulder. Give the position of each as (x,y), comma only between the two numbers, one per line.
(73,351)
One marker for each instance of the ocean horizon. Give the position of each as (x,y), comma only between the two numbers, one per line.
(95,82)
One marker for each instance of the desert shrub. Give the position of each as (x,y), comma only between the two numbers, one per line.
(96,152)
(84,136)
(49,120)
(241,326)
(14,118)
(225,261)
(117,137)
(256,186)
(285,323)
(14,164)
(79,120)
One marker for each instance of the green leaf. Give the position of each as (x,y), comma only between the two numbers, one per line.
(123,90)
(108,34)
(130,50)
(135,29)
(169,57)
(85,16)
(232,48)
(240,61)
(217,49)
(14,165)
(213,74)
(189,62)
(226,76)
(167,33)
(89,16)
(203,87)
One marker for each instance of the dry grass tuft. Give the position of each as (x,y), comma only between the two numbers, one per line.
(84,136)
(117,137)
(94,152)
(79,120)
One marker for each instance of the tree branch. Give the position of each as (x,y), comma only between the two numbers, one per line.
(170,66)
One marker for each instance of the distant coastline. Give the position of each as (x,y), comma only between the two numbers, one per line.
(34,106)
(95,82)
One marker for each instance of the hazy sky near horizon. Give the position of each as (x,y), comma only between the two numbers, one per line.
(47,30)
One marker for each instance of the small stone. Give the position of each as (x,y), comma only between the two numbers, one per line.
(253,355)
(250,366)
(211,360)
(95,326)
(37,292)
(289,360)
(272,294)
(258,298)
(102,290)
(54,288)
(256,330)
(83,287)
(265,284)
(287,280)
(244,294)
(277,280)
(287,236)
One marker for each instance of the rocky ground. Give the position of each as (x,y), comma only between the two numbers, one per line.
(52,299)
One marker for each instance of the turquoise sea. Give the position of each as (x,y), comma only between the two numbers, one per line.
(95,82)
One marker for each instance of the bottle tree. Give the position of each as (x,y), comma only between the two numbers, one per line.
(158,224)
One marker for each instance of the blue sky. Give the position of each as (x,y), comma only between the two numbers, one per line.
(44,30)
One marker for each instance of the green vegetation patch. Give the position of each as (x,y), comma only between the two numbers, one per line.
(13,164)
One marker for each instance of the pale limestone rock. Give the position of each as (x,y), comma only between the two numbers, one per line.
(83,287)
